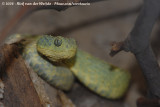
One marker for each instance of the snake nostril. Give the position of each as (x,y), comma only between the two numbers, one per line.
(57,42)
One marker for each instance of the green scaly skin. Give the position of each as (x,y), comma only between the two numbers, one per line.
(102,78)
(58,76)
(99,76)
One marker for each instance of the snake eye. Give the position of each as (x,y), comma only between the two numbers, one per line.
(57,42)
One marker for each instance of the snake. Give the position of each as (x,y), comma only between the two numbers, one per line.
(58,61)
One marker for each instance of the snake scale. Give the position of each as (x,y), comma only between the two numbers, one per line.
(58,61)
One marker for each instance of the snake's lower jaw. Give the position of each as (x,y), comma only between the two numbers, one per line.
(56,56)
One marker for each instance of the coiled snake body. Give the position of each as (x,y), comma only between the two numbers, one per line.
(57,60)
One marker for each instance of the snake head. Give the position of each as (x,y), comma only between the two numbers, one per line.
(56,48)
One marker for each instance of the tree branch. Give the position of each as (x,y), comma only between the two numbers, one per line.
(138,42)
(23,87)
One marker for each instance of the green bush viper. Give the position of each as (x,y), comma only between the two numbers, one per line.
(57,60)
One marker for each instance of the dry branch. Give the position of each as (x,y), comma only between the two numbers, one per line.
(23,88)
(19,89)
(138,42)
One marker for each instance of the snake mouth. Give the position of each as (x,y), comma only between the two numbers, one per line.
(57,56)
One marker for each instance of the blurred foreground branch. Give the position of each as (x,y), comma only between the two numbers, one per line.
(19,90)
(23,87)
(138,42)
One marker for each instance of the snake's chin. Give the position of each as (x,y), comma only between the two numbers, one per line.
(57,57)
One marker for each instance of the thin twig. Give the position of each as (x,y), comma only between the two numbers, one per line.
(114,15)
